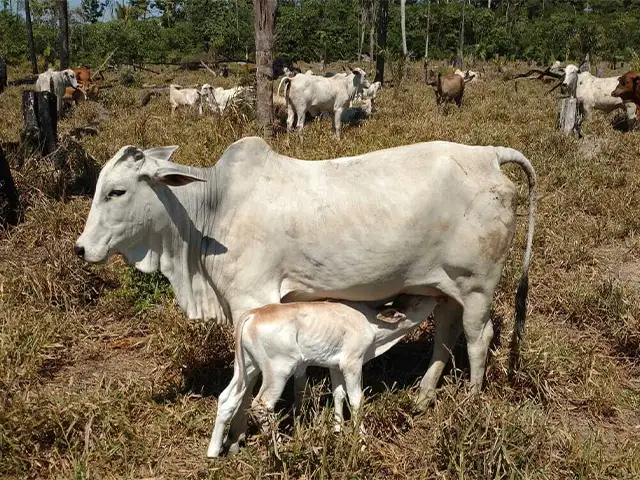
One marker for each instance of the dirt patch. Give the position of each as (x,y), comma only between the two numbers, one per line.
(620,262)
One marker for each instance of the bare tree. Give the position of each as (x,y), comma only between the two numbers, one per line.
(372,31)
(264,21)
(64,34)
(403,27)
(426,43)
(383,20)
(32,48)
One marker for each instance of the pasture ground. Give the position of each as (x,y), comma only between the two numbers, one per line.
(101,376)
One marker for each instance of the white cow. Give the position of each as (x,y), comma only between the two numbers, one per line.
(428,219)
(58,81)
(180,96)
(281,339)
(468,76)
(595,93)
(226,97)
(314,94)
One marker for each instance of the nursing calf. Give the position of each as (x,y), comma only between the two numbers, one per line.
(281,340)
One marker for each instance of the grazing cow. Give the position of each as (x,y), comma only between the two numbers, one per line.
(225,98)
(282,339)
(449,88)
(179,96)
(596,93)
(310,93)
(74,95)
(279,64)
(628,89)
(433,218)
(56,83)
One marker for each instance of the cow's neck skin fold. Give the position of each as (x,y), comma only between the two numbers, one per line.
(191,238)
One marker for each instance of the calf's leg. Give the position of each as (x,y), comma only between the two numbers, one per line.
(229,403)
(339,396)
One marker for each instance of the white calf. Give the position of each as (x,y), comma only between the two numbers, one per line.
(179,96)
(224,98)
(280,340)
(58,81)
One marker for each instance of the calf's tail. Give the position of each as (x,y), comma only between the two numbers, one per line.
(239,368)
(509,155)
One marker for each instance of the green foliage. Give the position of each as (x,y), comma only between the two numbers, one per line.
(311,30)
(144,290)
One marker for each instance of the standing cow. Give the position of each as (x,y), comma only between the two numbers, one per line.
(431,219)
(314,94)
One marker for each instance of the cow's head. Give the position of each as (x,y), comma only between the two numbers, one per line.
(571,73)
(359,78)
(126,209)
(69,78)
(627,88)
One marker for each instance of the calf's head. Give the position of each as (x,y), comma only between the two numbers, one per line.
(127,208)
(628,87)
(571,73)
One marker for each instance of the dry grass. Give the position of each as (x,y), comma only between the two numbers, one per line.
(101,376)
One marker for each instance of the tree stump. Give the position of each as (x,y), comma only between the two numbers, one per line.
(9,201)
(570,112)
(40,132)
(3,74)
(569,116)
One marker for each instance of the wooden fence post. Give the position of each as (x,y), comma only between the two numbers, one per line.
(3,74)
(9,201)
(570,112)
(40,132)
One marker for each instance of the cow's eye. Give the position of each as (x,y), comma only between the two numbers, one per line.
(116,193)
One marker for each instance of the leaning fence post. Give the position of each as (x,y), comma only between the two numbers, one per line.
(9,201)
(3,74)
(570,112)
(40,133)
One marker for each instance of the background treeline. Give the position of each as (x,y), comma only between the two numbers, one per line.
(312,30)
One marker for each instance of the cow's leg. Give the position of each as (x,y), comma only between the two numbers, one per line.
(291,115)
(229,403)
(337,122)
(302,113)
(339,396)
(479,331)
(448,325)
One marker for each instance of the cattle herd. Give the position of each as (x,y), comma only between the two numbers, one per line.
(327,263)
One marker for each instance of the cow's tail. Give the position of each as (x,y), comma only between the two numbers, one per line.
(239,368)
(509,155)
(287,83)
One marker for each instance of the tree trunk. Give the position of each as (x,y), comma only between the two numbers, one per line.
(383,20)
(9,201)
(32,48)
(403,27)
(264,20)
(488,3)
(372,32)
(426,44)
(64,34)
(461,52)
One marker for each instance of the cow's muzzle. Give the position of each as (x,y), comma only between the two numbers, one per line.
(79,250)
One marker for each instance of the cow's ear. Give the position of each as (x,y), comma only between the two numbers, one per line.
(160,153)
(169,173)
